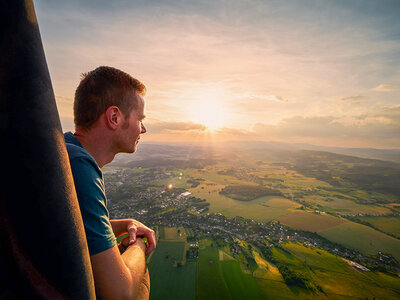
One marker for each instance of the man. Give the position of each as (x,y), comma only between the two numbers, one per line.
(108,117)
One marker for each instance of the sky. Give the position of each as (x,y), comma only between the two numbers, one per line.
(319,72)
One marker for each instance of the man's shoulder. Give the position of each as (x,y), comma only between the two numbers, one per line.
(84,167)
(75,151)
(78,156)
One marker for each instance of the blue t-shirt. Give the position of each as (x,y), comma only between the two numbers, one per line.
(89,185)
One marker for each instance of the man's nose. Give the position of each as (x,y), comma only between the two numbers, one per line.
(143,129)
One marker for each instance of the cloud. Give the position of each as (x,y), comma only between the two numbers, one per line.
(380,125)
(379,128)
(233,132)
(385,88)
(353,98)
(165,127)
(248,42)
(300,126)
(273,98)
(259,54)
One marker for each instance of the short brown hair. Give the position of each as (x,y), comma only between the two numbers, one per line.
(101,88)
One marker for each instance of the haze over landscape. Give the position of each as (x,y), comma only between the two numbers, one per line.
(271,164)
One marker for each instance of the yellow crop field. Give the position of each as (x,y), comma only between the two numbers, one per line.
(311,221)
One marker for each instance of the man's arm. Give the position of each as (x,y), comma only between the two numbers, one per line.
(116,276)
(119,276)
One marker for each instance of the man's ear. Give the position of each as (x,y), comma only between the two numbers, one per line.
(113,117)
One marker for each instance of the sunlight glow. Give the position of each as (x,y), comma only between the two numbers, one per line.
(208,110)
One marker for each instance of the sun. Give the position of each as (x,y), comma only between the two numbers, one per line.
(208,111)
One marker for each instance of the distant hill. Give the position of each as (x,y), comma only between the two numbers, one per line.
(344,170)
(373,153)
(381,154)
(149,154)
(337,169)
(196,150)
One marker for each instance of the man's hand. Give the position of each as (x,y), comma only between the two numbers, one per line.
(135,229)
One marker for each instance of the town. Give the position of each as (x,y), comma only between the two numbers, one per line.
(176,207)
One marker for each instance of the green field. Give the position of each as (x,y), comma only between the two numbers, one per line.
(336,202)
(337,279)
(210,284)
(223,279)
(172,234)
(387,224)
(310,221)
(265,208)
(211,174)
(363,239)
(167,280)
(240,285)
(248,192)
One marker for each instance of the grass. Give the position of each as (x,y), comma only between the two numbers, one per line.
(337,279)
(210,284)
(173,234)
(167,281)
(344,206)
(265,208)
(240,285)
(248,192)
(387,224)
(294,179)
(265,269)
(211,174)
(273,289)
(223,256)
(223,279)
(363,239)
(310,221)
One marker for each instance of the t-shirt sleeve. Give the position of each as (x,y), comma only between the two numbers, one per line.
(90,190)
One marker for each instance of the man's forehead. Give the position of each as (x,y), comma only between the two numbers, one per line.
(140,98)
(140,106)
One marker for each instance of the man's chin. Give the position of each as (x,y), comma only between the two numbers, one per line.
(134,148)
(131,150)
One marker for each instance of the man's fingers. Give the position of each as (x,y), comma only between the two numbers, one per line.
(138,229)
(151,240)
(132,230)
(149,249)
(149,234)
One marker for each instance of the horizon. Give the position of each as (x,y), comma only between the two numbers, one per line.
(178,143)
(325,74)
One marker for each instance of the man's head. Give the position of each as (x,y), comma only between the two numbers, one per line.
(128,135)
(104,87)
